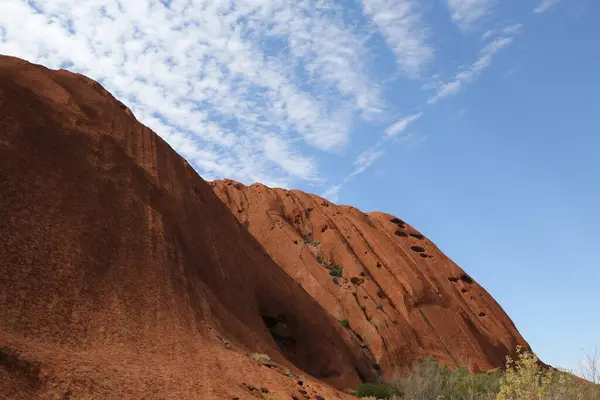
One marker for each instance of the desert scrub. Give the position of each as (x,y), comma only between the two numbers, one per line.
(375,390)
(525,379)
(380,306)
(260,357)
(336,270)
(345,323)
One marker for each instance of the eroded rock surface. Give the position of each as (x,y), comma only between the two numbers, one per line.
(122,274)
(402,297)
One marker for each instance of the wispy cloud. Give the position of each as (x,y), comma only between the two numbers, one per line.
(213,78)
(366,159)
(545,5)
(332,193)
(279,153)
(396,133)
(466,12)
(401,24)
(468,75)
(400,126)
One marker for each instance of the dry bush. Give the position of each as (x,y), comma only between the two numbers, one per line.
(524,379)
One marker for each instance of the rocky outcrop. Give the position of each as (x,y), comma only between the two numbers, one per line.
(122,274)
(402,298)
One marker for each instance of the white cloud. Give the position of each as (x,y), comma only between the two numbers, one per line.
(512,29)
(545,5)
(466,12)
(401,125)
(332,193)
(278,151)
(366,159)
(468,75)
(206,76)
(400,23)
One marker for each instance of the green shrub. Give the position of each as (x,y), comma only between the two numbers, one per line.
(336,270)
(377,390)
(380,306)
(345,323)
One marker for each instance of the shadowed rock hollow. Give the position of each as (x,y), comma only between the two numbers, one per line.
(122,274)
(402,297)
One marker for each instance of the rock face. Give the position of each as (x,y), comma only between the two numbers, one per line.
(122,274)
(402,297)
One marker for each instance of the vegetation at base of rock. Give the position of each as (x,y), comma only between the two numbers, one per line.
(376,390)
(345,323)
(524,379)
(336,270)
(380,306)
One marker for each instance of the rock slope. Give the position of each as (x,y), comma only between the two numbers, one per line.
(122,274)
(402,298)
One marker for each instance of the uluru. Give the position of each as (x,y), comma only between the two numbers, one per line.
(402,297)
(124,274)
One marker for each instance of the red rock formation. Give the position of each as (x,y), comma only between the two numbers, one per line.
(403,298)
(122,275)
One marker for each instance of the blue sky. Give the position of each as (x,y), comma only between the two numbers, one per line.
(474,120)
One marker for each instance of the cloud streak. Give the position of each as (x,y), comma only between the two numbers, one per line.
(467,76)
(545,5)
(401,125)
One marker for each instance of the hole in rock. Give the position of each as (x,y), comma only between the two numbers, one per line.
(283,334)
(466,278)
(418,249)
(417,235)
(398,222)
(360,375)
(357,281)
(464,290)
(482,314)
(423,255)
(453,279)
(400,233)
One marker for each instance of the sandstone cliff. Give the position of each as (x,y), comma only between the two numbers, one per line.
(122,274)
(402,297)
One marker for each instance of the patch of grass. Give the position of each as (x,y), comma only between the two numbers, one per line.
(345,323)
(313,242)
(336,270)
(377,390)
(260,357)
(380,306)
(321,261)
